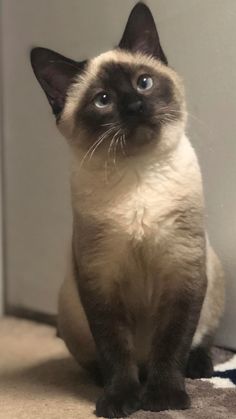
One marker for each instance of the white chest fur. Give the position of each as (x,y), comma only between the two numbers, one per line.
(141,196)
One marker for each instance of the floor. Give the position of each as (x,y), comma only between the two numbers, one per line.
(39,380)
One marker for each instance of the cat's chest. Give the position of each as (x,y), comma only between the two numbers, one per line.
(138,213)
(139,209)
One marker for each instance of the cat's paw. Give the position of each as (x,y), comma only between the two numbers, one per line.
(199,364)
(118,404)
(166,399)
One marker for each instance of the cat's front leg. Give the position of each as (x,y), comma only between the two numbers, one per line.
(111,330)
(176,321)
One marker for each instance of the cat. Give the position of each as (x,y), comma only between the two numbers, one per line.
(144,291)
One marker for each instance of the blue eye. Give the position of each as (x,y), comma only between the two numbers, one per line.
(102,100)
(144,82)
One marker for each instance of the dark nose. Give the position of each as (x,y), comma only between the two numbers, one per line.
(135,107)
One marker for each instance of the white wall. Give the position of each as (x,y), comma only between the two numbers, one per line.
(1,231)
(1,174)
(199,38)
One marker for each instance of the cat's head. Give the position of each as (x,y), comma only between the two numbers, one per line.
(125,98)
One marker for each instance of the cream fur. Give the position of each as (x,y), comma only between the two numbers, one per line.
(137,192)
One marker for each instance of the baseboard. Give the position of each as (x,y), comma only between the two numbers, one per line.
(37,316)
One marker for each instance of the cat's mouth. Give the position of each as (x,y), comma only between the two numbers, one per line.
(134,139)
(119,140)
(142,135)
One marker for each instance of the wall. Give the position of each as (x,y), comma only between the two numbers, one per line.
(1,174)
(198,37)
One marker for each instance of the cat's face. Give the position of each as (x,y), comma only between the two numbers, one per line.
(121,100)
(121,97)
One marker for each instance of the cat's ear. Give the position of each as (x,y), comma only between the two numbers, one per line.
(55,74)
(141,35)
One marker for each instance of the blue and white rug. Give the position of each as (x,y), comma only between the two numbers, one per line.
(225,374)
(213,398)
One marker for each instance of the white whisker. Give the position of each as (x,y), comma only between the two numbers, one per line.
(95,148)
(113,140)
(94,145)
(109,124)
(123,145)
(115,149)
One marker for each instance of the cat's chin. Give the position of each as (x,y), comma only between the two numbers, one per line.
(142,136)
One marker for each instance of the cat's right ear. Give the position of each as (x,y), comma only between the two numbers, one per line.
(140,34)
(55,73)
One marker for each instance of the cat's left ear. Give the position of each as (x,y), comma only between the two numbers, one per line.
(55,74)
(141,35)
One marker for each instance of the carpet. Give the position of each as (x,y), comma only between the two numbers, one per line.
(39,380)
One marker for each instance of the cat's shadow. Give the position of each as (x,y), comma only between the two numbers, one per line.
(57,376)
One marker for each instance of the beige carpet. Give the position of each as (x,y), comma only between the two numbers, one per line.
(39,380)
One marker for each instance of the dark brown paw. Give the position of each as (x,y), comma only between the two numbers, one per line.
(199,364)
(171,399)
(95,373)
(118,404)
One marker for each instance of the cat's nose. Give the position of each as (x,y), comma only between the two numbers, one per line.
(135,107)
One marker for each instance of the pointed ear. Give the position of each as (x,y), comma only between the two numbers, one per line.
(55,74)
(141,35)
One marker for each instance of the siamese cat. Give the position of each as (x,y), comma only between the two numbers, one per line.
(144,290)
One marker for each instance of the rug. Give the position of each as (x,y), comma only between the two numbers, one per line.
(39,380)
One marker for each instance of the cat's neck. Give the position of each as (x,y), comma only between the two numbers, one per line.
(138,181)
(104,172)
(113,162)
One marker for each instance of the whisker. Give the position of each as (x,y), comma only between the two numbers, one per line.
(86,154)
(115,150)
(175,112)
(110,146)
(113,140)
(94,145)
(123,145)
(101,140)
(97,145)
(110,123)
